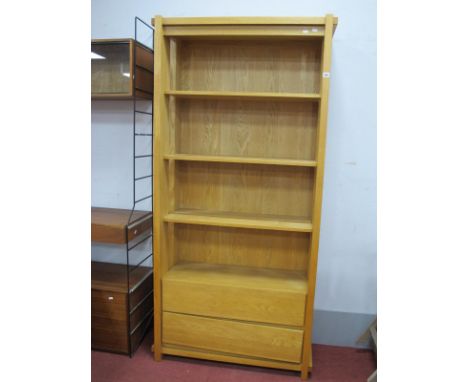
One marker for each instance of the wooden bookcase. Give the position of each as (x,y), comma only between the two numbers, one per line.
(240,126)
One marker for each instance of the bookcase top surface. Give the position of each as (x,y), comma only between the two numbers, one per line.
(245,20)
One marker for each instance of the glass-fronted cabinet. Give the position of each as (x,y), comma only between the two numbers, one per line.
(121,68)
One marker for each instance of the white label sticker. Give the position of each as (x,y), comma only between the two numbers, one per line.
(326,75)
(110,298)
(314,30)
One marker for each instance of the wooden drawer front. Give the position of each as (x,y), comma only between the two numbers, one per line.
(107,304)
(269,306)
(107,334)
(141,291)
(109,321)
(264,341)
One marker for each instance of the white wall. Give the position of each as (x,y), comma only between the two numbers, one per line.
(347,263)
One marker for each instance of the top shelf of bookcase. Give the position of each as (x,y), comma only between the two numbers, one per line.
(245,27)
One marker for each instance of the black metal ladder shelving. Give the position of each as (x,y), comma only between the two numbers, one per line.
(136,202)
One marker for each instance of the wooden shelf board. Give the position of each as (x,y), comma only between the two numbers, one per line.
(113,277)
(118,96)
(239,220)
(236,159)
(239,276)
(244,95)
(112,96)
(109,225)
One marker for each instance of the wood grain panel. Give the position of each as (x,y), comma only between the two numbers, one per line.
(140,331)
(140,311)
(249,20)
(109,321)
(113,277)
(317,199)
(185,351)
(263,66)
(265,341)
(247,129)
(144,58)
(109,225)
(253,248)
(242,293)
(143,288)
(239,220)
(249,31)
(143,80)
(243,188)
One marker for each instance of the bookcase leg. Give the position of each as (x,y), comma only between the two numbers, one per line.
(305,374)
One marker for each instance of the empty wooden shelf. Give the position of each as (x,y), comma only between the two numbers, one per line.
(120,316)
(240,220)
(241,116)
(113,277)
(121,69)
(243,95)
(235,159)
(111,225)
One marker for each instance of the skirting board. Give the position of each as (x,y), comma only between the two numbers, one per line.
(340,328)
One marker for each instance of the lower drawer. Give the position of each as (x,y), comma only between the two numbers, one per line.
(109,321)
(234,337)
(109,335)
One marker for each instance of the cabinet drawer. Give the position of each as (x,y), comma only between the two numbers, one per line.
(234,302)
(109,321)
(234,337)
(108,304)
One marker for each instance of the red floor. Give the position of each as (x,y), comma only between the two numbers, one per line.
(331,364)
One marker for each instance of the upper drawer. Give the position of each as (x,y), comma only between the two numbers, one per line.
(240,338)
(243,293)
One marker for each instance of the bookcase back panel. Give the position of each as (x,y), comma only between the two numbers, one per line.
(256,66)
(246,247)
(252,189)
(247,128)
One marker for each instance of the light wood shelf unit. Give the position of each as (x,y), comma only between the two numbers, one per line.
(241,114)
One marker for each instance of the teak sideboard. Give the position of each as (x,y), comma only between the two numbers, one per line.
(240,127)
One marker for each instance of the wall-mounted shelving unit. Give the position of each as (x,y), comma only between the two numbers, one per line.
(241,115)
(122,292)
(121,69)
